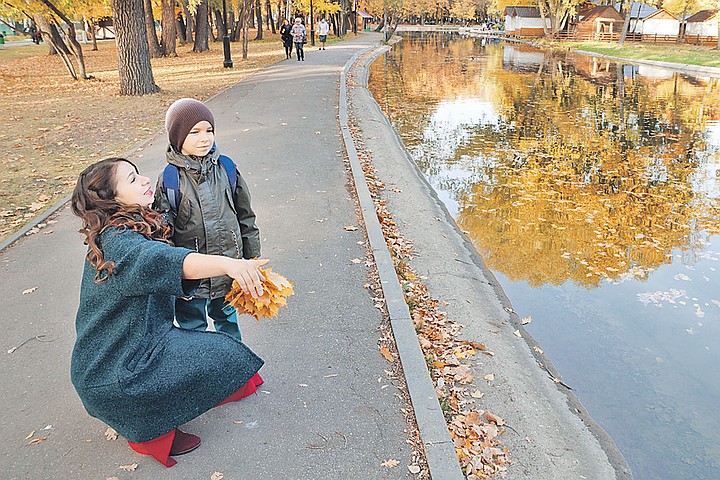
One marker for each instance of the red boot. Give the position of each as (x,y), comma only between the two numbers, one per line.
(158,448)
(175,442)
(246,390)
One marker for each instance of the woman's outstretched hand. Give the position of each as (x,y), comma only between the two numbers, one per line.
(246,273)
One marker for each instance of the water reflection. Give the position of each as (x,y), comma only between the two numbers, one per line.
(591,189)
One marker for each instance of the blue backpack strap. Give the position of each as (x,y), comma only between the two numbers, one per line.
(171,183)
(231,171)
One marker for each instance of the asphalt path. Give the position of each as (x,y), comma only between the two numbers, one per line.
(328,409)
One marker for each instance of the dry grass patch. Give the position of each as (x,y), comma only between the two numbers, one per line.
(53,126)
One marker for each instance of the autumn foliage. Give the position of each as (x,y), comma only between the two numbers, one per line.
(276,289)
(475,432)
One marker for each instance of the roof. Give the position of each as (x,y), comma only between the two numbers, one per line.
(701,16)
(602,11)
(638,9)
(660,12)
(364,14)
(524,12)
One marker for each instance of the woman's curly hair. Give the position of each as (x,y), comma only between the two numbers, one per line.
(93,200)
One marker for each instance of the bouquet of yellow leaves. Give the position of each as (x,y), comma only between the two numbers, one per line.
(275,289)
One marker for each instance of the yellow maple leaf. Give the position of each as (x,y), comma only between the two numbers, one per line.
(275,290)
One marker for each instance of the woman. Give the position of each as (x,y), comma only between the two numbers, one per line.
(130,366)
(287,38)
(299,34)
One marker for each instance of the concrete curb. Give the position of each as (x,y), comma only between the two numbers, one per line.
(439,450)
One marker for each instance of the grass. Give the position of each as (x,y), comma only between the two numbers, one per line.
(669,52)
(51,126)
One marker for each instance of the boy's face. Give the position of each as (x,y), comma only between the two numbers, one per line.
(200,140)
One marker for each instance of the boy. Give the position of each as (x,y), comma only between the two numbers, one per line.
(207,204)
(323,30)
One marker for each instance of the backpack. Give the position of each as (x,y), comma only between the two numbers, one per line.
(171,180)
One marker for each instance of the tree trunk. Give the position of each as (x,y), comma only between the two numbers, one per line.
(244,21)
(53,38)
(626,23)
(136,76)
(189,24)
(180,27)
(47,28)
(153,44)
(71,36)
(270,23)
(212,26)
(90,29)
(258,15)
(220,22)
(169,33)
(201,28)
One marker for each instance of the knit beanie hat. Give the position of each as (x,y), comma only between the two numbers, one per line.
(182,116)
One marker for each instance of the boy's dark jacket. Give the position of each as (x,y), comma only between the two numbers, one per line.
(210,218)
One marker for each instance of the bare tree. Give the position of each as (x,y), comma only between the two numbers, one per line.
(136,76)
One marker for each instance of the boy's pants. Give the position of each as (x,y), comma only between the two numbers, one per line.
(192,315)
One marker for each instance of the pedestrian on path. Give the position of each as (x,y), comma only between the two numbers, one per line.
(207,204)
(299,33)
(287,38)
(130,366)
(323,30)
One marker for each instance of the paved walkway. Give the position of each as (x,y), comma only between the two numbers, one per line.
(327,410)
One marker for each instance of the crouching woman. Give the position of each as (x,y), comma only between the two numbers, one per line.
(130,366)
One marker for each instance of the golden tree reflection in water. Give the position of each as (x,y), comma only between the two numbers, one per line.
(577,168)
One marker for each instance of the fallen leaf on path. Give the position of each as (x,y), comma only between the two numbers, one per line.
(30,435)
(517,333)
(29,290)
(414,469)
(356,260)
(36,441)
(111,434)
(392,463)
(217,476)
(350,228)
(385,352)
(526,320)
(489,377)
(477,394)
(491,417)
(129,468)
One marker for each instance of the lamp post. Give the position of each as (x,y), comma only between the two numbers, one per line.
(227,63)
(312,26)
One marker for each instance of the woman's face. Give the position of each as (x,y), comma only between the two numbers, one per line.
(131,188)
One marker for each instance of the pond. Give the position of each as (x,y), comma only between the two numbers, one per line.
(590,188)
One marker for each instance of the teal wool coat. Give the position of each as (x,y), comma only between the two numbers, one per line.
(130,366)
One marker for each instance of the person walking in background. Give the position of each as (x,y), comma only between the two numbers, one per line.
(323,30)
(130,366)
(286,37)
(207,204)
(299,34)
